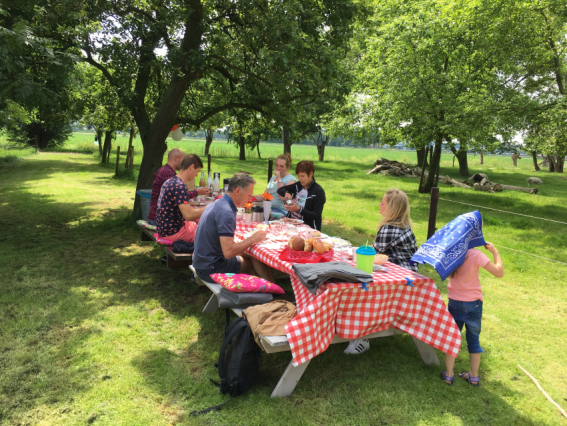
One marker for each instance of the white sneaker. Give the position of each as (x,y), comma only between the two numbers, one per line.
(356,347)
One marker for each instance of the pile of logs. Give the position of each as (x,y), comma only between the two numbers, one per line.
(478,182)
(395,168)
(485,185)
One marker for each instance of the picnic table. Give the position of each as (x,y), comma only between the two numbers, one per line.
(340,312)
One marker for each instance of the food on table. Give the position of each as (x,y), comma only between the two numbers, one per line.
(296,243)
(316,233)
(318,245)
(308,246)
(262,227)
(292,221)
(380,259)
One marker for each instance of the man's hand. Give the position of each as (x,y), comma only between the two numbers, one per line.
(202,191)
(259,236)
(294,208)
(288,196)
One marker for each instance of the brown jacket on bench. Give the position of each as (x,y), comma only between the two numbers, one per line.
(269,319)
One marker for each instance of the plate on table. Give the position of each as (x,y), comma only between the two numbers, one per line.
(291,221)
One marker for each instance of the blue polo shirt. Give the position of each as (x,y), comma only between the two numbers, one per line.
(218,220)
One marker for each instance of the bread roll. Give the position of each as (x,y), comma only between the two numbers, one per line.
(308,246)
(316,233)
(296,243)
(318,246)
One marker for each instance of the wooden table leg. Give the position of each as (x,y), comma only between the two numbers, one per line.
(212,305)
(289,379)
(146,237)
(427,353)
(172,263)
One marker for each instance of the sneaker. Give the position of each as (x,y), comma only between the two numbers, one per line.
(356,347)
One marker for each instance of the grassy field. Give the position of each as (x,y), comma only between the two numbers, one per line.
(95,331)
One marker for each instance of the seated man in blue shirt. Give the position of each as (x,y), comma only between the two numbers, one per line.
(216,252)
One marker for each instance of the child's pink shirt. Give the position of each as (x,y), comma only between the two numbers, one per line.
(465,285)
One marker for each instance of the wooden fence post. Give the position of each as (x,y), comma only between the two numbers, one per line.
(270,169)
(117,159)
(433,212)
(208,164)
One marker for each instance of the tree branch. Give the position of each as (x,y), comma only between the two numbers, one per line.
(237,68)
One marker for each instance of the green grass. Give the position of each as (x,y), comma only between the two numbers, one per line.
(95,331)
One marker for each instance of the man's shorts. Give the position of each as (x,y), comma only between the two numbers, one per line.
(221,266)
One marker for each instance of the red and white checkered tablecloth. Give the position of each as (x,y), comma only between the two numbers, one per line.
(349,311)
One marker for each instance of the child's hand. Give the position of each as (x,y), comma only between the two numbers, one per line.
(490,247)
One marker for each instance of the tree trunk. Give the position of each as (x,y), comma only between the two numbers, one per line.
(258,148)
(127,163)
(321,147)
(286,141)
(515,159)
(421,157)
(481,158)
(463,162)
(559,163)
(242,145)
(534,158)
(208,140)
(107,146)
(99,138)
(551,162)
(153,138)
(434,161)
(520,189)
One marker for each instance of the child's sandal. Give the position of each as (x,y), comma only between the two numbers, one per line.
(473,381)
(447,379)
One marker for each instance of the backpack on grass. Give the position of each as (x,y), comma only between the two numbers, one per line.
(239,361)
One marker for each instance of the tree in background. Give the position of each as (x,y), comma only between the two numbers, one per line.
(254,53)
(431,71)
(37,82)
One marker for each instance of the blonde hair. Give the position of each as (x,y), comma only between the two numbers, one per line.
(398,213)
(287,158)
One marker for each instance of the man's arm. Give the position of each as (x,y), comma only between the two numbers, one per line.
(190,213)
(231,249)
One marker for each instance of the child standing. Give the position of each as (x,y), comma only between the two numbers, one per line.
(465,305)
(395,239)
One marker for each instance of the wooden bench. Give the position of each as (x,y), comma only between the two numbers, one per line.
(272,344)
(174,260)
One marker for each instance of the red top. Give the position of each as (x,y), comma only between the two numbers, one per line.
(164,173)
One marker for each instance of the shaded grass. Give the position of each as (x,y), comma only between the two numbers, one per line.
(95,330)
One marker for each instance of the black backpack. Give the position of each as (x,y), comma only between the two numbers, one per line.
(239,361)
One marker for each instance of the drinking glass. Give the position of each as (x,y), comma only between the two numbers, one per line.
(346,250)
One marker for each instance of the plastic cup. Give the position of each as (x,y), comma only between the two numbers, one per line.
(365,258)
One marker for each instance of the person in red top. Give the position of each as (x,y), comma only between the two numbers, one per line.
(174,158)
(175,218)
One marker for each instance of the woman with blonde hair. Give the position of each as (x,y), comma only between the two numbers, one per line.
(395,239)
(281,178)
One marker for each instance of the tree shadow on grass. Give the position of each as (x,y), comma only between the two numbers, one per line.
(387,385)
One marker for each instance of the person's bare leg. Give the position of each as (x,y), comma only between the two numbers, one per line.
(475,364)
(263,270)
(246,266)
(449,365)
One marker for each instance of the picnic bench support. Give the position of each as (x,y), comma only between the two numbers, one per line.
(145,236)
(426,352)
(270,169)
(288,381)
(433,212)
(208,164)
